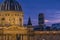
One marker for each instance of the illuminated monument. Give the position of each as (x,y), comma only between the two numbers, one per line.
(11,21)
(11,13)
(11,25)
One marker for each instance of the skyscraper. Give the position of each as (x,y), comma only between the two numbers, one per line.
(41,20)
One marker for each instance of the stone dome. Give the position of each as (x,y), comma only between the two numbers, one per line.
(10,5)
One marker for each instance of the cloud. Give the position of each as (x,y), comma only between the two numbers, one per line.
(52,21)
(46,21)
(57,11)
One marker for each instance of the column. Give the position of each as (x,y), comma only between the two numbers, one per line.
(0,36)
(4,37)
(25,37)
(21,36)
(10,37)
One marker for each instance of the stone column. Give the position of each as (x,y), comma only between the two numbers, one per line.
(21,36)
(0,37)
(25,37)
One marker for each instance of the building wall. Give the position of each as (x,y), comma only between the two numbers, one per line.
(13,33)
(25,37)
(47,37)
(12,37)
(11,18)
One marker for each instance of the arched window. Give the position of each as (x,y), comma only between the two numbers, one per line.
(20,19)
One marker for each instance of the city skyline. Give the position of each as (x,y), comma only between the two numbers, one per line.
(50,8)
(12,16)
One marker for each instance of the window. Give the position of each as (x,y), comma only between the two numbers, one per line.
(3,18)
(20,19)
(16,14)
(8,14)
(5,14)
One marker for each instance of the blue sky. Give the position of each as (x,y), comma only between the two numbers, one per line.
(50,8)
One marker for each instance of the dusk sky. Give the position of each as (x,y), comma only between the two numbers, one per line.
(50,8)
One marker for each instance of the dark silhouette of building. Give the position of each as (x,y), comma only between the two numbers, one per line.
(41,21)
(48,28)
(29,22)
(57,25)
(54,29)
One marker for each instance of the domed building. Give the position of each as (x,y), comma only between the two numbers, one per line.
(11,13)
(11,21)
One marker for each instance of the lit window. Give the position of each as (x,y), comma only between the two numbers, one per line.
(15,14)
